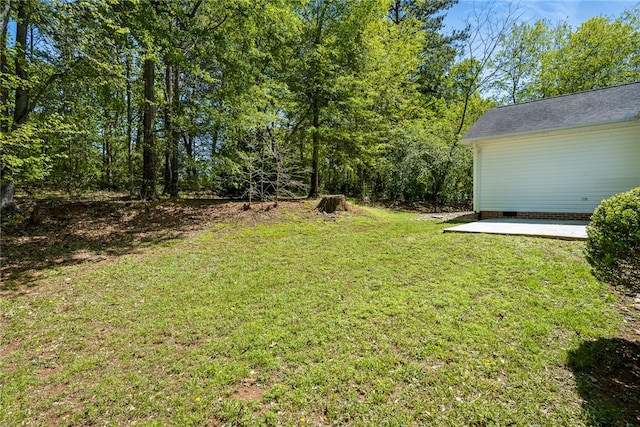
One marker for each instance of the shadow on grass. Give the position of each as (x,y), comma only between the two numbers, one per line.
(607,373)
(93,230)
(464,219)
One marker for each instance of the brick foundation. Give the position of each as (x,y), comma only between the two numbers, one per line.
(535,215)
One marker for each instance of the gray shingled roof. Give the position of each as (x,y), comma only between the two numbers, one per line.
(599,106)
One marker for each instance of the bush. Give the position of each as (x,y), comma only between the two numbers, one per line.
(613,248)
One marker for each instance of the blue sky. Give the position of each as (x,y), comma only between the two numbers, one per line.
(574,11)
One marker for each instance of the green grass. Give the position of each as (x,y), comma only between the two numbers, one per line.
(371,319)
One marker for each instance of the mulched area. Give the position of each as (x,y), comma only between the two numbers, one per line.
(74,231)
(103,226)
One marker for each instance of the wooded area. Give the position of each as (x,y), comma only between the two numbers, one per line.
(269,99)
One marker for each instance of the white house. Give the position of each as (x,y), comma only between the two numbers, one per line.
(556,158)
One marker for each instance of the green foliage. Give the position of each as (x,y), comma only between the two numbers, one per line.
(599,53)
(520,61)
(613,248)
(437,48)
(543,59)
(25,152)
(21,154)
(365,96)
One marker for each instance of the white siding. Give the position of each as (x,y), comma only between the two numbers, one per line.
(566,172)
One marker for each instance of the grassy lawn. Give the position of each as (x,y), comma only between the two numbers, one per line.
(368,319)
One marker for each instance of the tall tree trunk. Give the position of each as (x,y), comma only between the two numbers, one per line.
(166,176)
(7,201)
(215,138)
(167,172)
(148,190)
(168,104)
(187,139)
(129,126)
(70,168)
(21,106)
(107,158)
(171,152)
(4,70)
(313,188)
(175,134)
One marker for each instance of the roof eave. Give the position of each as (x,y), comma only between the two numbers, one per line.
(469,141)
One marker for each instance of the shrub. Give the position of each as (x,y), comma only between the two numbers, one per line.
(613,248)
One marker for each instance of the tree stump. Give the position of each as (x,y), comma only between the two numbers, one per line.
(331,204)
(7,202)
(35,218)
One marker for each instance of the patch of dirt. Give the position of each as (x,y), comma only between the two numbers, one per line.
(46,371)
(6,349)
(250,392)
(448,216)
(93,230)
(428,211)
(421,206)
(250,389)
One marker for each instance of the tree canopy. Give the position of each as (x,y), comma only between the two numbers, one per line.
(243,98)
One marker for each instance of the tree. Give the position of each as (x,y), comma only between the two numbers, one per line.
(601,52)
(466,80)
(21,104)
(28,74)
(438,50)
(4,68)
(519,61)
(365,97)
(148,190)
(329,56)
(544,60)
(382,97)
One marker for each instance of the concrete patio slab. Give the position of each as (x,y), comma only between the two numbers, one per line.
(557,229)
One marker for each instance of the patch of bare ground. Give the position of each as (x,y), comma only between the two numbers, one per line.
(8,348)
(447,216)
(250,389)
(428,211)
(419,207)
(92,230)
